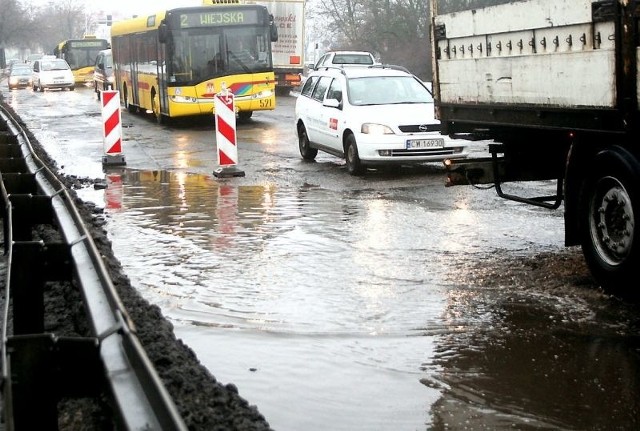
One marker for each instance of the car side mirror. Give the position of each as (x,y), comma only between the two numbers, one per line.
(100,65)
(332,103)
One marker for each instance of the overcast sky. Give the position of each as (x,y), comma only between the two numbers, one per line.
(127,8)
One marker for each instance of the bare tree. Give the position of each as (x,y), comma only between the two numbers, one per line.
(15,25)
(395,30)
(39,27)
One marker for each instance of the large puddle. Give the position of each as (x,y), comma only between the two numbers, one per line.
(355,310)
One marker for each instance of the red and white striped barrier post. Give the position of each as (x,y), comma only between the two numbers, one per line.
(112,128)
(227,215)
(225,113)
(115,191)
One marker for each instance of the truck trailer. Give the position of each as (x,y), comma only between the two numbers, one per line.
(288,50)
(554,85)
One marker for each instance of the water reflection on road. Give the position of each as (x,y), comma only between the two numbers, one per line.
(348,310)
(305,287)
(535,363)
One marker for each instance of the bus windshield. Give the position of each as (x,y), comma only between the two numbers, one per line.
(82,53)
(199,54)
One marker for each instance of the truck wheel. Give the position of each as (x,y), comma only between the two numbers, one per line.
(610,212)
(306,151)
(354,165)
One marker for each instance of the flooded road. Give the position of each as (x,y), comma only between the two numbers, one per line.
(386,302)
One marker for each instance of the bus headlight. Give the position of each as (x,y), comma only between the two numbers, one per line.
(263,94)
(183,99)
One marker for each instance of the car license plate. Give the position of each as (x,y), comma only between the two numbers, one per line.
(414,144)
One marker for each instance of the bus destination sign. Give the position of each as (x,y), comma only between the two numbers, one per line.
(220,18)
(86,43)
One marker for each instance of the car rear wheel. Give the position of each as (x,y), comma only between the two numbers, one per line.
(354,165)
(306,151)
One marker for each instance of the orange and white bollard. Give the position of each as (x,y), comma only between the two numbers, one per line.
(112,128)
(225,116)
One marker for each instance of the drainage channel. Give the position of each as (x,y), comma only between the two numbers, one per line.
(46,242)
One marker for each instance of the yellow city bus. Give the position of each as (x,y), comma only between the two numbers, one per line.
(81,55)
(173,62)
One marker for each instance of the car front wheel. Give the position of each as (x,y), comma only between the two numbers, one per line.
(354,165)
(306,151)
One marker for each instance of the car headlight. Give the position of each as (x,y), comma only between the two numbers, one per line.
(376,129)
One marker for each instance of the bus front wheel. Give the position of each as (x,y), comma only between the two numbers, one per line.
(244,115)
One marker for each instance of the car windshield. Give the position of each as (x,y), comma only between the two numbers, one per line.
(55,65)
(22,70)
(352,59)
(384,90)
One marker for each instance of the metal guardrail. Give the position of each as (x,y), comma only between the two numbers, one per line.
(39,368)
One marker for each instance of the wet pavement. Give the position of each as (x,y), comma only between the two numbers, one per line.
(387,302)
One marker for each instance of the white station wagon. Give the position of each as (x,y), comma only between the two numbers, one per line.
(370,116)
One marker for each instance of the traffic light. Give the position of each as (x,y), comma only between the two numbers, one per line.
(109,19)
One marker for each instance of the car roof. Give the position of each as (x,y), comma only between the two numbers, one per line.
(362,71)
(350,52)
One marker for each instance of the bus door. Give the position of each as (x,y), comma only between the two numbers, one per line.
(162,78)
(135,88)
